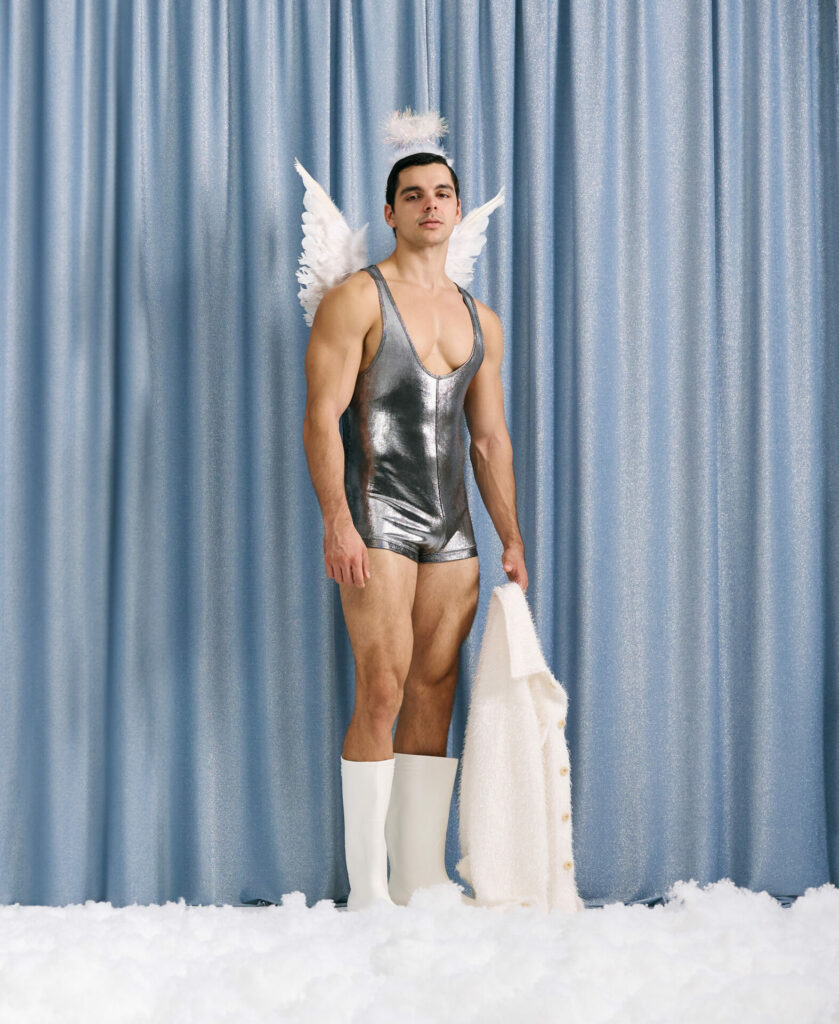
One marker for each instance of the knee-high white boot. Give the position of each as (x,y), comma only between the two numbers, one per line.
(416,823)
(366,787)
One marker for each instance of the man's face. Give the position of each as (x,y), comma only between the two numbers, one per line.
(425,208)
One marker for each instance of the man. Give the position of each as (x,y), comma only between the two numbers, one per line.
(397,353)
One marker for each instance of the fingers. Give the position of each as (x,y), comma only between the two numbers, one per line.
(349,573)
(353,572)
(345,555)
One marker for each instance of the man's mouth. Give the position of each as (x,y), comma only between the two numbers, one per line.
(430,222)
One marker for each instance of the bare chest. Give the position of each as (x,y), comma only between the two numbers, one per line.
(440,328)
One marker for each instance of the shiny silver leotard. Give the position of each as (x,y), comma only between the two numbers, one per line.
(403,445)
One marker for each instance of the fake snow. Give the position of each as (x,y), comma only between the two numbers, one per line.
(714,954)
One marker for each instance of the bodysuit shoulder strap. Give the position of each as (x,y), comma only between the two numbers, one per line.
(378,276)
(470,302)
(391,321)
(476,320)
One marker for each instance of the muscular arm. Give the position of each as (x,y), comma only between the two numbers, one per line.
(491,451)
(333,357)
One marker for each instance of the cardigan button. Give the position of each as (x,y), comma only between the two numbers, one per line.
(560,724)
(563,770)
(566,816)
(568,865)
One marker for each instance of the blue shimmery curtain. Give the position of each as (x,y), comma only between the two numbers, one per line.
(175,675)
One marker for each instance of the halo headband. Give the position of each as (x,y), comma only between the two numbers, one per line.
(407,132)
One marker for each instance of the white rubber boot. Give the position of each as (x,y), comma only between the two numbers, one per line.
(366,787)
(416,823)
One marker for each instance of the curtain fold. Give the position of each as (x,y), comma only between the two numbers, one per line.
(175,674)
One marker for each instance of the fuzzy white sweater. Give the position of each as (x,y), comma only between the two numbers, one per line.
(515,784)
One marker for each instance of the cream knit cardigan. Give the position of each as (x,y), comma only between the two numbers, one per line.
(515,784)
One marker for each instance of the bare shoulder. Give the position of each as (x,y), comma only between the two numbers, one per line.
(352,304)
(486,315)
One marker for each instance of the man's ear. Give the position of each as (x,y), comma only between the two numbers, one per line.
(388,207)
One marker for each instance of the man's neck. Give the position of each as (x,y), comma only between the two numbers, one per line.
(426,267)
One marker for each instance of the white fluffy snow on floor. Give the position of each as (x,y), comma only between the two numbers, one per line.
(714,954)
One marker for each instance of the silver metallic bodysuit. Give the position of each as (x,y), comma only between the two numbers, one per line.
(403,445)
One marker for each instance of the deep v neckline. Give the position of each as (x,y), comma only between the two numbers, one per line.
(431,373)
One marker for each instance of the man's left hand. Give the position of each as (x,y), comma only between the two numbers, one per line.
(512,559)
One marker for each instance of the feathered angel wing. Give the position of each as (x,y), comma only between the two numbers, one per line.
(331,249)
(468,239)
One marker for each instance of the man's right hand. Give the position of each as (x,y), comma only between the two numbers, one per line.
(345,555)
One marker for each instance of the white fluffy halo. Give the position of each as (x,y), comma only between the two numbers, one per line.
(408,132)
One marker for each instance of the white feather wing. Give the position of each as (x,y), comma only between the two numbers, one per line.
(468,239)
(331,249)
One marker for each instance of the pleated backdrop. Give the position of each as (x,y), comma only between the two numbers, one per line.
(175,674)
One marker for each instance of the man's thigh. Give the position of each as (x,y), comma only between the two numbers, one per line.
(378,615)
(445,603)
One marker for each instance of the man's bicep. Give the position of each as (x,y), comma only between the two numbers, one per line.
(333,355)
(484,403)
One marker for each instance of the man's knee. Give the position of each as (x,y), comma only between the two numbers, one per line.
(434,678)
(378,694)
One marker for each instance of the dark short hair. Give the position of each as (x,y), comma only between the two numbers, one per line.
(415,160)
